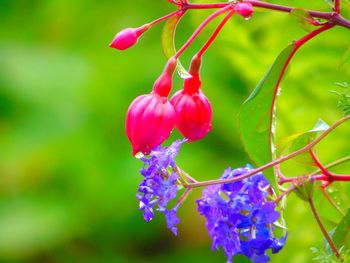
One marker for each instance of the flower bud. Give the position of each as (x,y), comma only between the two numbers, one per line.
(149,121)
(244,9)
(164,83)
(193,114)
(128,37)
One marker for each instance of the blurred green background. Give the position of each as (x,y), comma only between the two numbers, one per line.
(67,176)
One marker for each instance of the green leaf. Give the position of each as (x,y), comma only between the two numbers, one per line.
(344,97)
(168,43)
(321,255)
(341,231)
(255,119)
(304,18)
(337,193)
(302,139)
(305,191)
(345,58)
(330,3)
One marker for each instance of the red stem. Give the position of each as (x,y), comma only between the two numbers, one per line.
(332,17)
(323,229)
(274,162)
(283,194)
(312,34)
(216,32)
(200,28)
(333,177)
(165,17)
(297,45)
(328,179)
(327,176)
(282,8)
(337,6)
(318,163)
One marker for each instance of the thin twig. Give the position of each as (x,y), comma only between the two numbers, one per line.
(332,164)
(323,229)
(275,162)
(333,17)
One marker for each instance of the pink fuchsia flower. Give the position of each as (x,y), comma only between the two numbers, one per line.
(151,118)
(149,121)
(193,114)
(244,9)
(128,37)
(193,109)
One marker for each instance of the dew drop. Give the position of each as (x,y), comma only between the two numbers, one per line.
(139,155)
(247,18)
(184,74)
(279,92)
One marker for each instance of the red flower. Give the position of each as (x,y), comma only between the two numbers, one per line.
(151,118)
(193,110)
(149,121)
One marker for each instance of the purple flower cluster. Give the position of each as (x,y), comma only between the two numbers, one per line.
(239,217)
(159,186)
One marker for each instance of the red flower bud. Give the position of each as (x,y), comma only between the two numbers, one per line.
(244,9)
(164,83)
(149,121)
(128,37)
(193,110)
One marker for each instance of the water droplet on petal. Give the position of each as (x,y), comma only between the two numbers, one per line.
(184,74)
(139,155)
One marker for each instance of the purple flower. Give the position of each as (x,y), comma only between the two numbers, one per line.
(159,184)
(172,220)
(278,244)
(239,216)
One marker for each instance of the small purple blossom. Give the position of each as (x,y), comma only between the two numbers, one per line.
(172,219)
(240,218)
(159,184)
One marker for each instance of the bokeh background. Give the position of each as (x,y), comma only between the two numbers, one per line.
(67,176)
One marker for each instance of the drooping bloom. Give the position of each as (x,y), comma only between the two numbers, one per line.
(151,117)
(159,186)
(149,121)
(244,9)
(193,109)
(128,37)
(240,218)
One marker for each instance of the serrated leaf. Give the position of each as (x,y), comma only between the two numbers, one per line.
(304,18)
(256,116)
(323,256)
(342,230)
(344,97)
(168,43)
